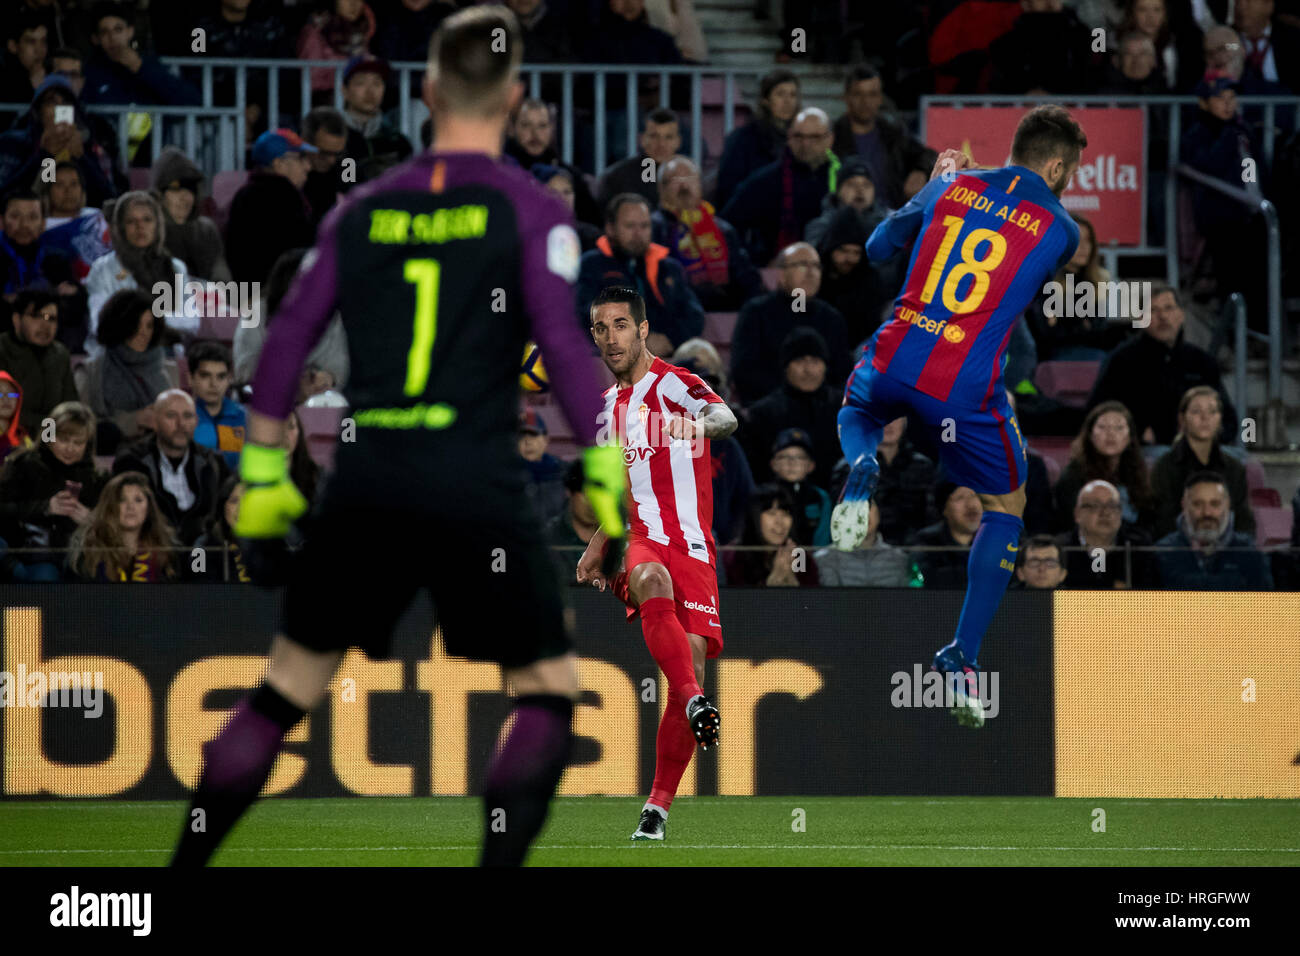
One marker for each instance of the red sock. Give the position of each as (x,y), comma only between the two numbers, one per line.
(669,645)
(673,750)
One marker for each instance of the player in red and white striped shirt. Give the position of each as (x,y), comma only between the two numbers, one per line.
(664,417)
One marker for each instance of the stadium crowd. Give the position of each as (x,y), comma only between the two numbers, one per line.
(121,423)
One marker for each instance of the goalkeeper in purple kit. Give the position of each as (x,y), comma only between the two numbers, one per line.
(432,482)
(983,243)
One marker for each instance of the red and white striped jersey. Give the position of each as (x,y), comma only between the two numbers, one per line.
(670,481)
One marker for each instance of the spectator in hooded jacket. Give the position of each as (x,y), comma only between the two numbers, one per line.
(47,491)
(706,245)
(35,138)
(772,207)
(850,283)
(341,31)
(127,537)
(270,215)
(855,189)
(13,437)
(139,260)
(116,72)
(1197,448)
(897,164)
(123,381)
(189,236)
(764,323)
(804,401)
(33,357)
(625,256)
(762,140)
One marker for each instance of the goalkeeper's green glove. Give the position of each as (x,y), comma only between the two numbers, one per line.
(604,482)
(271,502)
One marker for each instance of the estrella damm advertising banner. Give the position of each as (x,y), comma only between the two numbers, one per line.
(823,692)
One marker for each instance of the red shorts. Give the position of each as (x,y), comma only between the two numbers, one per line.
(695,589)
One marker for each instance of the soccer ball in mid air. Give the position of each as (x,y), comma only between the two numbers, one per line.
(532,374)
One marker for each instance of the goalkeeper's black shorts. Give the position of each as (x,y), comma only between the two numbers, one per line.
(491,579)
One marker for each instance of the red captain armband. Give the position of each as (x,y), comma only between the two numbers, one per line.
(700,391)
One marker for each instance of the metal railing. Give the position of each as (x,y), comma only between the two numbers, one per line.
(212,136)
(411,112)
(1274,423)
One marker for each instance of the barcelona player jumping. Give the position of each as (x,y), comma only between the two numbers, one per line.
(983,243)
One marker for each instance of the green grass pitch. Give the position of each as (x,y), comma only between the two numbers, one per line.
(702,831)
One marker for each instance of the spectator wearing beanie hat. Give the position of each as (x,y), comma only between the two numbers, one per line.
(792,462)
(804,401)
(856,190)
(545,472)
(764,323)
(960,512)
(850,283)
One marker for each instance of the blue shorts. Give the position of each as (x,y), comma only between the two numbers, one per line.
(981,449)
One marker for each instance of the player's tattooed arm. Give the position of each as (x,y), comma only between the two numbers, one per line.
(714,420)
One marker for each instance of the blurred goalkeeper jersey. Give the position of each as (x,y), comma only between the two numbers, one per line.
(441,269)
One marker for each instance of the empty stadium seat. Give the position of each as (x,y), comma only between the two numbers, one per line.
(771,278)
(1255,477)
(1053,470)
(1070,383)
(138,178)
(1265,498)
(224,186)
(1272,527)
(320,429)
(104,463)
(719,327)
(1052,447)
(219,327)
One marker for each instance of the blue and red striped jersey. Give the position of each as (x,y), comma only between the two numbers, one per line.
(983,245)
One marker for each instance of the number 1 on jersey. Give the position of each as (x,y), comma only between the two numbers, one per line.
(425,274)
(969,266)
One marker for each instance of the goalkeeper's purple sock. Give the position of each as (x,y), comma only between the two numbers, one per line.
(523,777)
(236,765)
(988,571)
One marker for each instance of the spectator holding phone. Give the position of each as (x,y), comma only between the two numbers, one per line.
(47,492)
